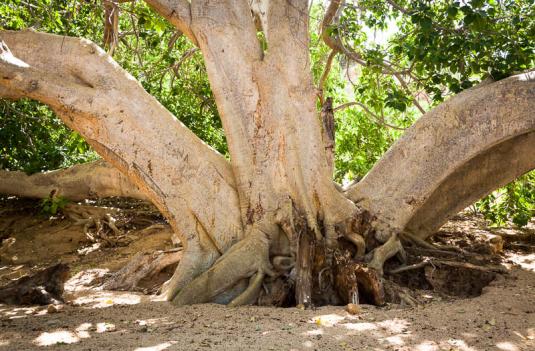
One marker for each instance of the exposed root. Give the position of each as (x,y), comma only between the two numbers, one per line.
(155,227)
(143,266)
(419,265)
(109,226)
(382,253)
(399,294)
(356,282)
(194,261)
(283,263)
(304,281)
(250,295)
(359,243)
(99,218)
(245,259)
(424,244)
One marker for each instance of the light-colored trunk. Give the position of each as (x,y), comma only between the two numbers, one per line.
(457,153)
(189,182)
(84,181)
(267,104)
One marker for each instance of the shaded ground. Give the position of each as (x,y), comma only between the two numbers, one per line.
(502,318)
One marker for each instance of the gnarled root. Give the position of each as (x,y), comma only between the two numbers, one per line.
(250,294)
(382,253)
(99,218)
(359,243)
(247,258)
(194,261)
(141,267)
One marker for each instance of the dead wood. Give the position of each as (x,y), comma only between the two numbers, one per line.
(141,272)
(42,288)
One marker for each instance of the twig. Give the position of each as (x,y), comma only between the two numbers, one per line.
(377,119)
(325,74)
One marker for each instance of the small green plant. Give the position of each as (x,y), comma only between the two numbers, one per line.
(51,204)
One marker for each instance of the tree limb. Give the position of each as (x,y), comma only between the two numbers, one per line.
(178,13)
(84,181)
(94,96)
(325,74)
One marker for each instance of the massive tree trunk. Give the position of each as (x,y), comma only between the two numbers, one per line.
(270,224)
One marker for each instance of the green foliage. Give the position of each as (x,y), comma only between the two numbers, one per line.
(33,139)
(514,203)
(52,204)
(447,45)
(438,48)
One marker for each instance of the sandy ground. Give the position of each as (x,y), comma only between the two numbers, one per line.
(502,318)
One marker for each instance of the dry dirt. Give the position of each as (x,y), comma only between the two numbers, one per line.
(502,318)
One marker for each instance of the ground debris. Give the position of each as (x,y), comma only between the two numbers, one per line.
(42,288)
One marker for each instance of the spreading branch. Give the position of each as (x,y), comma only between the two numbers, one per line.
(178,172)
(178,13)
(84,181)
(336,44)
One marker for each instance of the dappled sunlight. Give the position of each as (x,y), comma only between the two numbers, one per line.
(153,321)
(392,332)
(399,334)
(526,261)
(360,326)
(461,345)
(394,340)
(84,279)
(394,325)
(4,342)
(19,312)
(427,346)
(57,337)
(105,327)
(158,347)
(102,299)
(327,320)
(507,346)
(83,330)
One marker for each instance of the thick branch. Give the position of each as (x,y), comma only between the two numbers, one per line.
(468,146)
(325,75)
(128,128)
(90,180)
(177,12)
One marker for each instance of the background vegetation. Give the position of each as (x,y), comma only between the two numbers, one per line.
(407,56)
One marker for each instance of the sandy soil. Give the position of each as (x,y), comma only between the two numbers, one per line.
(502,318)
